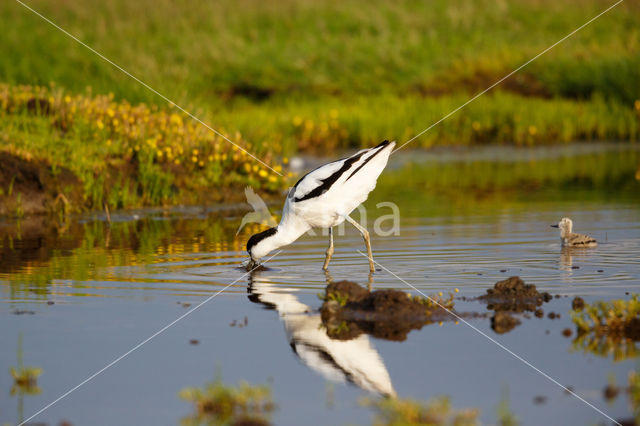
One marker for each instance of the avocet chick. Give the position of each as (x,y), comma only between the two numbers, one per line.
(570,239)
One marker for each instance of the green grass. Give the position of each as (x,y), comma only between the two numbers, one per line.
(389,70)
(299,75)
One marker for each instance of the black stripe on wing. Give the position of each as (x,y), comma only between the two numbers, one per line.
(381,146)
(328,182)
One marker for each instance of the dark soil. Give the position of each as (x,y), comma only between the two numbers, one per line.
(632,329)
(503,322)
(539,399)
(577,304)
(350,310)
(611,392)
(514,295)
(35,187)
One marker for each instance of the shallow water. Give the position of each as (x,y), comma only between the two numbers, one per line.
(113,287)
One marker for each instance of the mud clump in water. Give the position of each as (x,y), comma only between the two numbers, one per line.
(350,310)
(512,296)
(503,322)
(577,304)
(610,392)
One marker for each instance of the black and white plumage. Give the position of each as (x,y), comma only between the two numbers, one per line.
(324,198)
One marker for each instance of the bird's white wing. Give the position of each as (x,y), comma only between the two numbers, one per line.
(320,180)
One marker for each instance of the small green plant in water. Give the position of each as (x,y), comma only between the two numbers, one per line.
(506,417)
(435,301)
(605,328)
(219,404)
(437,411)
(338,297)
(25,379)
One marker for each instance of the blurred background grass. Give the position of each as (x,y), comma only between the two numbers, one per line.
(319,76)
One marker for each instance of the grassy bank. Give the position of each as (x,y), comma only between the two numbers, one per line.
(296,76)
(297,72)
(81,153)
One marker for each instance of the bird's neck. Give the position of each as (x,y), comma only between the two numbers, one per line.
(290,229)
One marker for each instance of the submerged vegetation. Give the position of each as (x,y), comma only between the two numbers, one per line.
(606,328)
(219,404)
(407,411)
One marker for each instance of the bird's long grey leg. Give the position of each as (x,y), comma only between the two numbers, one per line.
(367,241)
(327,259)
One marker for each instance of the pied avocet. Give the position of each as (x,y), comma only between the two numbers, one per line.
(570,239)
(324,198)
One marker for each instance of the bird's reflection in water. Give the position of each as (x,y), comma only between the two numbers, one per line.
(355,361)
(569,254)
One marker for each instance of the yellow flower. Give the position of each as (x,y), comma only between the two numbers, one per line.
(100,124)
(297,121)
(110,112)
(175,119)
(194,159)
(263,173)
(176,161)
(67,99)
(532,130)
(195,151)
(333,113)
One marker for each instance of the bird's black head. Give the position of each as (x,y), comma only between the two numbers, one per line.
(256,238)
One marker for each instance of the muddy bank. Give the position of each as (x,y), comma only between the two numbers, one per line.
(31,186)
(350,310)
